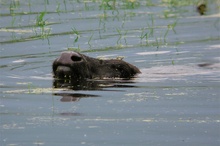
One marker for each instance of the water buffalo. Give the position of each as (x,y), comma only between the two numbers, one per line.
(76,66)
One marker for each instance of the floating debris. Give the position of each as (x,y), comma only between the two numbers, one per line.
(201,8)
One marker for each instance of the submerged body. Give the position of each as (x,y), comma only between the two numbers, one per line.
(78,66)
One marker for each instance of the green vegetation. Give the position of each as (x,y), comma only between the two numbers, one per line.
(13,21)
(58,8)
(150,32)
(107,4)
(30,86)
(131,4)
(170,26)
(121,36)
(40,22)
(178,3)
(74,49)
(90,38)
(44,31)
(13,6)
(74,31)
(115,22)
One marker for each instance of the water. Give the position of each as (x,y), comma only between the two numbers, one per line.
(175,101)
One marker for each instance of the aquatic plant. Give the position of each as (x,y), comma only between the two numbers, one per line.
(30,86)
(174,7)
(144,35)
(90,38)
(150,33)
(131,4)
(13,20)
(13,5)
(149,3)
(64,2)
(41,23)
(58,8)
(74,49)
(74,31)
(29,5)
(112,12)
(170,26)
(107,4)
(46,2)
(158,42)
(40,20)
(102,26)
(177,3)
(86,6)
(121,35)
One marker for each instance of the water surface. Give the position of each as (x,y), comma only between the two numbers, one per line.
(175,101)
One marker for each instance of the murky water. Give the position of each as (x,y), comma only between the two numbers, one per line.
(175,101)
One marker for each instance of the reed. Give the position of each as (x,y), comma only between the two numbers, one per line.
(75,32)
(150,32)
(121,35)
(90,38)
(170,26)
(13,5)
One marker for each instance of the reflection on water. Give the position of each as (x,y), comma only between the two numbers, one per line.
(92,84)
(70,114)
(73,97)
(89,84)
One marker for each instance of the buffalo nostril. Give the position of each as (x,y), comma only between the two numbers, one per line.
(76,58)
